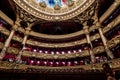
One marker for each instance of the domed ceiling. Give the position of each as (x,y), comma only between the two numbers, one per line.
(54,9)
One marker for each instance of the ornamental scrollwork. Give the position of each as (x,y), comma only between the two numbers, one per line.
(88,14)
(55,56)
(98,49)
(21,68)
(13,50)
(7,65)
(25,16)
(113,42)
(19,39)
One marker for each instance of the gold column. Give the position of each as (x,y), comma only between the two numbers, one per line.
(26,35)
(89,42)
(7,42)
(23,43)
(104,40)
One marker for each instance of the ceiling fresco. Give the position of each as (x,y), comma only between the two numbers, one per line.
(54,9)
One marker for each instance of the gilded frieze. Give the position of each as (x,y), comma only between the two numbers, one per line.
(98,49)
(12,50)
(56,45)
(55,56)
(96,36)
(16,38)
(113,42)
(4,31)
(115,64)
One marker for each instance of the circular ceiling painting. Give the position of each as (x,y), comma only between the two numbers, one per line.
(54,9)
(54,3)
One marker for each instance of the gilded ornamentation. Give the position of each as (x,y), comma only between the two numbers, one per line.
(15,26)
(71,3)
(21,29)
(86,31)
(55,56)
(111,25)
(57,7)
(98,49)
(31,15)
(4,31)
(56,45)
(27,32)
(88,14)
(7,65)
(96,36)
(19,39)
(40,10)
(92,28)
(24,16)
(113,42)
(12,50)
(20,68)
(84,53)
(42,4)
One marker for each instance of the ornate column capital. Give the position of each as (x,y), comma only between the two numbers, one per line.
(86,31)
(85,28)
(14,27)
(98,24)
(27,31)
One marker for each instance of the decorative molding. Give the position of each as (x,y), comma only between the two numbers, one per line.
(113,42)
(111,25)
(92,28)
(55,56)
(25,16)
(4,31)
(32,33)
(13,50)
(21,29)
(96,36)
(21,68)
(98,49)
(109,11)
(6,18)
(56,45)
(16,38)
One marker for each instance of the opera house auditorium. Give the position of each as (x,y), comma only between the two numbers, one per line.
(59,39)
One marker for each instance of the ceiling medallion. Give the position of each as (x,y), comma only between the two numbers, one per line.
(54,9)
